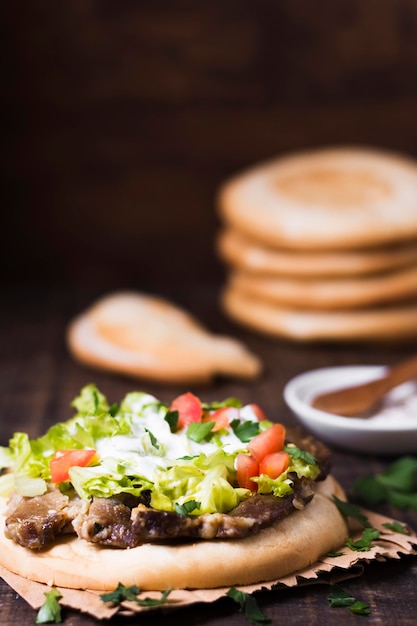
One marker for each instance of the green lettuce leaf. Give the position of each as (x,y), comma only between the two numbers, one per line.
(204,479)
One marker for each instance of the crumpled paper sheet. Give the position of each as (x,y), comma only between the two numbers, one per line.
(390,545)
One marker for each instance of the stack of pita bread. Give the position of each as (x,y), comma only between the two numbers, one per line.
(322,245)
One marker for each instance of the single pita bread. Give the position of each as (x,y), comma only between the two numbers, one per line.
(387,324)
(288,546)
(325,199)
(242,252)
(342,293)
(147,337)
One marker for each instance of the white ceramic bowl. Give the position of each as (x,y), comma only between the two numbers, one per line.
(393,430)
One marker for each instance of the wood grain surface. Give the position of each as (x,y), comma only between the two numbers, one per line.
(39,379)
(121,121)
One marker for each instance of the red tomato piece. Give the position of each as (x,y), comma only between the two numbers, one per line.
(260,415)
(189,409)
(222,417)
(268,441)
(63,460)
(246,468)
(274,464)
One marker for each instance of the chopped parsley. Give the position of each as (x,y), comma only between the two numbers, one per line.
(297,453)
(187,507)
(114,409)
(395,486)
(348,509)
(339,597)
(131,593)
(248,606)
(154,440)
(396,527)
(172,418)
(245,431)
(364,543)
(50,611)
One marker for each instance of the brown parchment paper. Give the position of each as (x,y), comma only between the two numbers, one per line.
(390,545)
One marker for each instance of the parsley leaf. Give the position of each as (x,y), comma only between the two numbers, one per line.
(113,410)
(156,601)
(131,593)
(340,597)
(297,453)
(248,606)
(396,485)
(245,431)
(351,510)
(121,593)
(172,418)
(187,507)
(96,401)
(364,543)
(154,440)
(396,527)
(197,431)
(50,611)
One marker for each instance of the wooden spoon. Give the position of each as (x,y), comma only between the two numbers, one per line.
(360,399)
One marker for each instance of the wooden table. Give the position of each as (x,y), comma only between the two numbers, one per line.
(39,379)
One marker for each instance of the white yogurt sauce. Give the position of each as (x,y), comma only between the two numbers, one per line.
(399,405)
(137,450)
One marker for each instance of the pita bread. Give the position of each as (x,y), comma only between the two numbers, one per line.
(335,198)
(244,253)
(147,337)
(329,293)
(290,545)
(386,324)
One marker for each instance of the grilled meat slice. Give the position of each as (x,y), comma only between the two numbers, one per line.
(111,524)
(36,522)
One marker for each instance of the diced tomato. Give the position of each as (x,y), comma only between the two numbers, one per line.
(268,441)
(246,468)
(274,464)
(260,415)
(222,417)
(189,409)
(63,460)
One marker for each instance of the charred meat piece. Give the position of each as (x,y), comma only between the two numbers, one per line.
(111,524)
(36,522)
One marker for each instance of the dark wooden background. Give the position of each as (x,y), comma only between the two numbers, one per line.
(122,118)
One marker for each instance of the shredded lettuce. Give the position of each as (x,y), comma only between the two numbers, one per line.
(90,401)
(137,452)
(279,487)
(6,484)
(205,479)
(103,482)
(6,458)
(31,458)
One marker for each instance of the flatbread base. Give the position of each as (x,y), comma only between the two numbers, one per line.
(292,544)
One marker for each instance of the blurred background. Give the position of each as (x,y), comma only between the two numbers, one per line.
(123,118)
